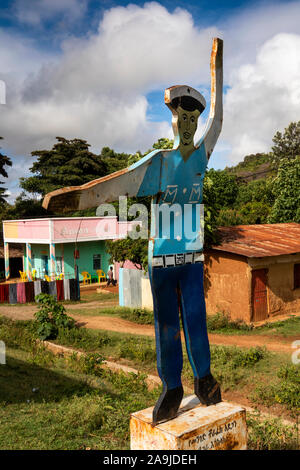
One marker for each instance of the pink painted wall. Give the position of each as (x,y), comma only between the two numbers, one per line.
(27,229)
(84,229)
(69,229)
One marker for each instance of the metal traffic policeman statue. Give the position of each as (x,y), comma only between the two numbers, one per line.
(173,178)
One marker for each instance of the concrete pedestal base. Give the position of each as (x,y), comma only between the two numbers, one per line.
(196,427)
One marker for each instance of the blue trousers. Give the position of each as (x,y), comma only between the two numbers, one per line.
(171,286)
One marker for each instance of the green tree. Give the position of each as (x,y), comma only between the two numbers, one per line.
(254,191)
(225,186)
(287,145)
(68,163)
(211,208)
(135,251)
(4,161)
(228,217)
(24,207)
(251,213)
(114,161)
(251,163)
(160,144)
(286,191)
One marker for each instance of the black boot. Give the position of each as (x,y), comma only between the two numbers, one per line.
(167,405)
(207,390)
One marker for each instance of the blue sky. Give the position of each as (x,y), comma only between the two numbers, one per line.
(97,69)
(204,12)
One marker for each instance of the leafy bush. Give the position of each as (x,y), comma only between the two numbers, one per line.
(237,357)
(17,334)
(140,350)
(220,321)
(138,315)
(285,391)
(271,434)
(50,317)
(83,339)
(90,363)
(249,214)
(40,356)
(231,364)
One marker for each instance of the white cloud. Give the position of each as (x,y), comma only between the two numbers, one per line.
(19,57)
(250,28)
(264,97)
(34,12)
(19,168)
(96,88)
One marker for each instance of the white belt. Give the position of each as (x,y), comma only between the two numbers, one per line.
(178,259)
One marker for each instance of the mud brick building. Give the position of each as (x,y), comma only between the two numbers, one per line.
(254,273)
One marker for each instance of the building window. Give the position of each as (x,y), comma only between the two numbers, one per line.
(96,262)
(296,276)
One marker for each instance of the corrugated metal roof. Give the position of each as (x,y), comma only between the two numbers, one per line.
(257,241)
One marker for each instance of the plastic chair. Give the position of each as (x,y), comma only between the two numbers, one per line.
(23,276)
(87,278)
(101,275)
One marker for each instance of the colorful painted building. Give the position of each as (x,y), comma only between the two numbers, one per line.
(52,246)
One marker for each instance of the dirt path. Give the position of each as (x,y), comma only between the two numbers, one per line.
(112,323)
(247,341)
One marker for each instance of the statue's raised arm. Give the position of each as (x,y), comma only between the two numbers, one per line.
(143,178)
(215,119)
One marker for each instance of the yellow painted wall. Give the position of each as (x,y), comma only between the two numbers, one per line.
(10,230)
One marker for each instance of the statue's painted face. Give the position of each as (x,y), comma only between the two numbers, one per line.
(187,125)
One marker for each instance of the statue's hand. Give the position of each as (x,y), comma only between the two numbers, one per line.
(62,200)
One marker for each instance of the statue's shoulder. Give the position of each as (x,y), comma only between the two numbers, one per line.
(147,159)
(200,146)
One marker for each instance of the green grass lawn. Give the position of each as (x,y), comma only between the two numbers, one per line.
(264,376)
(68,409)
(94,296)
(220,323)
(137,315)
(48,402)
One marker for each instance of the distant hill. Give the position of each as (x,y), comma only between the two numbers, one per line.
(253,167)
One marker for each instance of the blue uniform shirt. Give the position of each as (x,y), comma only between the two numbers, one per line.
(177,187)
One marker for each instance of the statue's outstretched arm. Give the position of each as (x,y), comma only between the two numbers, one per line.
(125,182)
(215,119)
